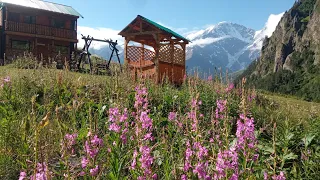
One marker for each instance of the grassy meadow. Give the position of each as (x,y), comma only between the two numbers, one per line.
(56,124)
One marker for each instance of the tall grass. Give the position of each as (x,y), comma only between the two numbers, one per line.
(56,124)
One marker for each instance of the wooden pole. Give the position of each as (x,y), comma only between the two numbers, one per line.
(172,60)
(125,51)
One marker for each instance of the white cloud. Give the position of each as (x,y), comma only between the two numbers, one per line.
(98,33)
(267,30)
(206,41)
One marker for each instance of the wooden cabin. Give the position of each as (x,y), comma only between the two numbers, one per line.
(40,27)
(161,52)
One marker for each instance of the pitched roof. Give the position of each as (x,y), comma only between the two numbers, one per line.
(44,5)
(167,30)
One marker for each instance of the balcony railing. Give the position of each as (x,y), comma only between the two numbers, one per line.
(40,30)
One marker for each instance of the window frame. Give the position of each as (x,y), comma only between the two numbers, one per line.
(57,50)
(55,22)
(25,41)
(12,16)
(31,19)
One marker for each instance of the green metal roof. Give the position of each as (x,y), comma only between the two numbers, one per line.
(164,28)
(167,30)
(44,5)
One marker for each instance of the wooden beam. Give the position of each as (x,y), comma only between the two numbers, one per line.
(40,36)
(125,50)
(141,33)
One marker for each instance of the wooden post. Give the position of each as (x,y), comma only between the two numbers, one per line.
(172,60)
(184,58)
(125,51)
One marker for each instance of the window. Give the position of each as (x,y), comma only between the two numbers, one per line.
(62,49)
(14,17)
(29,19)
(57,23)
(21,45)
(74,25)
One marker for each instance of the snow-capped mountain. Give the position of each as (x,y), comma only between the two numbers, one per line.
(224,45)
(227,46)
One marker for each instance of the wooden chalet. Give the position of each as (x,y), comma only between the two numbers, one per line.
(161,53)
(40,27)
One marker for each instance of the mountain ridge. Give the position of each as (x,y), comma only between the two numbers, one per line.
(290,58)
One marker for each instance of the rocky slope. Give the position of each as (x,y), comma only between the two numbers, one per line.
(290,58)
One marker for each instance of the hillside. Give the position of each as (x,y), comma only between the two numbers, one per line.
(290,58)
(76,125)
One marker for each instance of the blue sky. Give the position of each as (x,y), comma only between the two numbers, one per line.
(189,14)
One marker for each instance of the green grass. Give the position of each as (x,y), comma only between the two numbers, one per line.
(297,108)
(40,106)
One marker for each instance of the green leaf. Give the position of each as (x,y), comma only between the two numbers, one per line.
(289,156)
(307,140)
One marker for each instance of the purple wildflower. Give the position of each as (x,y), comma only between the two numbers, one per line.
(94,171)
(84,162)
(146,160)
(23,175)
(7,79)
(229,88)
(82,173)
(265,175)
(172,116)
(184,177)
(134,161)
(221,107)
(245,133)
(70,141)
(145,120)
(227,160)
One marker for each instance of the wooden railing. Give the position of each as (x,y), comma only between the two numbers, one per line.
(40,30)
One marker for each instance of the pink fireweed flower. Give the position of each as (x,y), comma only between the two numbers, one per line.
(184,177)
(146,160)
(23,175)
(82,173)
(200,170)
(84,162)
(172,116)
(281,176)
(210,78)
(92,147)
(134,161)
(7,79)
(94,171)
(145,120)
(265,175)
(221,107)
(141,97)
(114,127)
(148,137)
(96,141)
(42,172)
(188,155)
(70,141)
(227,160)
(154,176)
(245,133)
(201,150)
(229,88)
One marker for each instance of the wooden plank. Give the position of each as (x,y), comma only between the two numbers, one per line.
(41,36)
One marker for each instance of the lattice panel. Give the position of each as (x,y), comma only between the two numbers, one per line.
(165,53)
(134,53)
(178,56)
(149,55)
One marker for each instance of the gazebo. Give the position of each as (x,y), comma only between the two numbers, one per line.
(157,52)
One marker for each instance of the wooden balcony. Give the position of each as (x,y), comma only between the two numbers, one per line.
(40,30)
